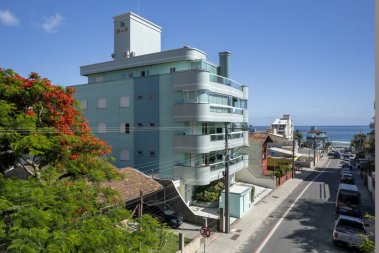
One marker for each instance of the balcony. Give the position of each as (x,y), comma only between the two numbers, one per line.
(224,81)
(199,144)
(204,174)
(196,79)
(205,112)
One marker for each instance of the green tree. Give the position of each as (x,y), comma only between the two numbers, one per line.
(71,216)
(358,142)
(367,246)
(298,136)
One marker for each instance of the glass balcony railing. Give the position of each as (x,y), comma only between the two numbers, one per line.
(218,165)
(225,81)
(220,137)
(223,109)
(221,165)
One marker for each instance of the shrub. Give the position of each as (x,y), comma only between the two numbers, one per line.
(209,193)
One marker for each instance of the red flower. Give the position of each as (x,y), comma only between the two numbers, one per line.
(74,156)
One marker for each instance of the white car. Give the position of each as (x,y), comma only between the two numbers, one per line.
(345,170)
(348,231)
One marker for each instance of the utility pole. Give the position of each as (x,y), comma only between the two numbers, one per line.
(293,157)
(140,204)
(314,151)
(226,182)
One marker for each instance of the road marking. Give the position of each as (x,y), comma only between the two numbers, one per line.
(272,231)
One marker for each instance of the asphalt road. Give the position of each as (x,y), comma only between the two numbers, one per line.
(304,221)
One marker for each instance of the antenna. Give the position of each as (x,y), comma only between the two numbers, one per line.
(138,7)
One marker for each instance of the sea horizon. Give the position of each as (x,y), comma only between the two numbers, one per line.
(336,133)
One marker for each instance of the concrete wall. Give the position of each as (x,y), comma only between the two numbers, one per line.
(283,179)
(247,176)
(113,115)
(194,245)
(254,173)
(135,34)
(175,200)
(370,186)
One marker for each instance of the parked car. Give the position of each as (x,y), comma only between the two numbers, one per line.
(348,200)
(345,170)
(346,164)
(348,231)
(164,213)
(347,178)
(346,157)
(337,155)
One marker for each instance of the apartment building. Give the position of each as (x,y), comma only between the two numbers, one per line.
(165,112)
(283,126)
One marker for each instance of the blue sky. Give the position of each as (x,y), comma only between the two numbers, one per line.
(311,59)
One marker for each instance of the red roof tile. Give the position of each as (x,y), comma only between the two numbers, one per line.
(258,137)
(134,182)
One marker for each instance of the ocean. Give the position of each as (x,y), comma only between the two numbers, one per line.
(341,135)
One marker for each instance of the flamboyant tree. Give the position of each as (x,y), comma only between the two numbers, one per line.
(40,124)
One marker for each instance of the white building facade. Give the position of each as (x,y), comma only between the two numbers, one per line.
(284,127)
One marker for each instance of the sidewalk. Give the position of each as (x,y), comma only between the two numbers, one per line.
(243,228)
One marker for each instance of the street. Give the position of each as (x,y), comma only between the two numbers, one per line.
(304,221)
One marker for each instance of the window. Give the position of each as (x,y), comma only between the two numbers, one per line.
(101,103)
(125,155)
(124,128)
(143,73)
(172,70)
(195,96)
(83,104)
(218,99)
(139,153)
(139,97)
(102,128)
(140,124)
(152,153)
(124,101)
(152,124)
